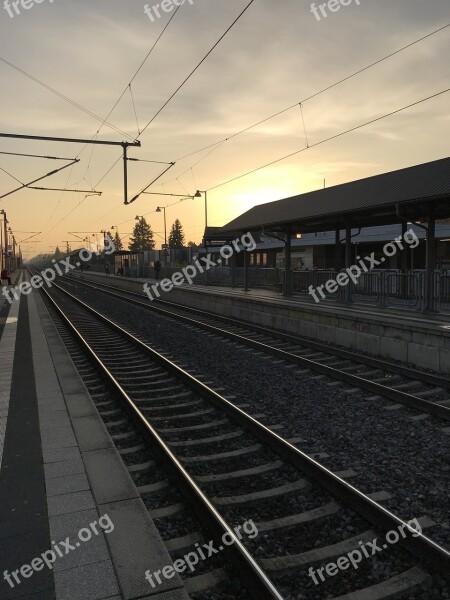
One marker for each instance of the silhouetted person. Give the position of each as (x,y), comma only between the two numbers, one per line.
(157,269)
(5,275)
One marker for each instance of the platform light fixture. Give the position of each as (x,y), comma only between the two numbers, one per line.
(198,194)
(158,210)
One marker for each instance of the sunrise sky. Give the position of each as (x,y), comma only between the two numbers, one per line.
(276,55)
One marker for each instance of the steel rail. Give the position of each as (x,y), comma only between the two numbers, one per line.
(259,584)
(378,389)
(426,550)
(424,377)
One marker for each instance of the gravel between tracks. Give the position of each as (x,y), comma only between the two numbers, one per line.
(389,451)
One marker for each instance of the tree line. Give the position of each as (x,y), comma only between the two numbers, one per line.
(142,239)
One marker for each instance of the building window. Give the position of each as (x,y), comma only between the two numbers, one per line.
(264,259)
(258,259)
(252,259)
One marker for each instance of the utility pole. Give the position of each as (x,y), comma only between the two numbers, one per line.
(5,238)
(6,245)
(1,247)
(125,172)
(14,252)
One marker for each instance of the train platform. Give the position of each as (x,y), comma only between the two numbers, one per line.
(72,524)
(421,339)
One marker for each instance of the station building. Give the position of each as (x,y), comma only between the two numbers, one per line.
(304,239)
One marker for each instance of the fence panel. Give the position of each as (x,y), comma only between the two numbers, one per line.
(368,288)
(381,288)
(442,292)
(404,289)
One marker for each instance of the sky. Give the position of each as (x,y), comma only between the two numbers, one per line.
(276,55)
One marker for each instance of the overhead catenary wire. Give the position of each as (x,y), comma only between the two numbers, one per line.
(30,237)
(155,211)
(156,162)
(304,126)
(47,189)
(196,163)
(63,97)
(289,108)
(11,175)
(183,83)
(151,183)
(87,170)
(84,199)
(35,156)
(134,108)
(140,67)
(333,137)
(59,199)
(24,185)
(112,110)
(318,93)
(216,145)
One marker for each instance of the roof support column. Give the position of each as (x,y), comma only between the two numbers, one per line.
(337,251)
(287,265)
(348,261)
(404,265)
(430,264)
(205,278)
(245,270)
(403,254)
(233,270)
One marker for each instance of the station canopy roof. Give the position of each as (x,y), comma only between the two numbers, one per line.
(410,194)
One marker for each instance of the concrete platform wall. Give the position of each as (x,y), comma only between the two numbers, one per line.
(408,338)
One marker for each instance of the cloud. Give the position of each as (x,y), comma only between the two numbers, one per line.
(275,56)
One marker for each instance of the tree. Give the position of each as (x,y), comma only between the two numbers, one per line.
(117,241)
(176,236)
(67,248)
(58,254)
(142,238)
(192,245)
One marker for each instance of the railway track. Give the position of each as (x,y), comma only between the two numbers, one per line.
(201,435)
(426,392)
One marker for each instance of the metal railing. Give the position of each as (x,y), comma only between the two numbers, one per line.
(381,288)
(442,292)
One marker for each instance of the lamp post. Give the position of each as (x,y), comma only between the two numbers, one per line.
(12,258)
(165,253)
(158,210)
(104,250)
(5,237)
(198,194)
